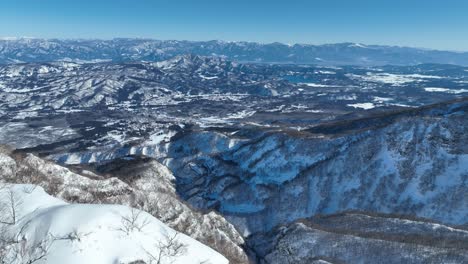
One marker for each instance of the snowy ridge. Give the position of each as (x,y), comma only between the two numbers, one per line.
(86,233)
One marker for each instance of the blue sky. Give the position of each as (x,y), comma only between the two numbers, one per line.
(441,24)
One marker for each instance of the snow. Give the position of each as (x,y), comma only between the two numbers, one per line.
(362,105)
(378,99)
(79,61)
(91,233)
(115,136)
(43,70)
(325,72)
(358,45)
(445,90)
(317,85)
(436,89)
(168,64)
(401,105)
(351,97)
(208,77)
(394,79)
(161,136)
(241,114)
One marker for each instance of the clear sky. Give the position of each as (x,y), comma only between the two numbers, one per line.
(439,24)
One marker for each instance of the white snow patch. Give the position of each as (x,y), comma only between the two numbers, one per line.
(358,45)
(208,77)
(445,90)
(362,105)
(317,85)
(346,97)
(378,99)
(160,136)
(394,79)
(325,72)
(242,114)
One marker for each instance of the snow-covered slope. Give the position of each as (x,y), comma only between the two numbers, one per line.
(52,231)
(146,185)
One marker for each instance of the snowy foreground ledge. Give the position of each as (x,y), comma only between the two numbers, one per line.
(38,228)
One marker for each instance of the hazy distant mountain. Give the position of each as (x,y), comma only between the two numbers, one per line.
(14,50)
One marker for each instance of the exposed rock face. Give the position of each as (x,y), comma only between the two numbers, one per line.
(362,238)
(148,186)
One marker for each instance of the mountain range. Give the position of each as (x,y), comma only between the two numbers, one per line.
(17,50)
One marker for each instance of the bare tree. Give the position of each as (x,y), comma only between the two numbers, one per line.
(133,221)
(8,207)
(150,205)
(33,253)
(287,251)
(169,249)
(73,236)
(15,249)
(29,188)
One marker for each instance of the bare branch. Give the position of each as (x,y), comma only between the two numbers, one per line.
(133,221)
(8,208)
(169,249)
